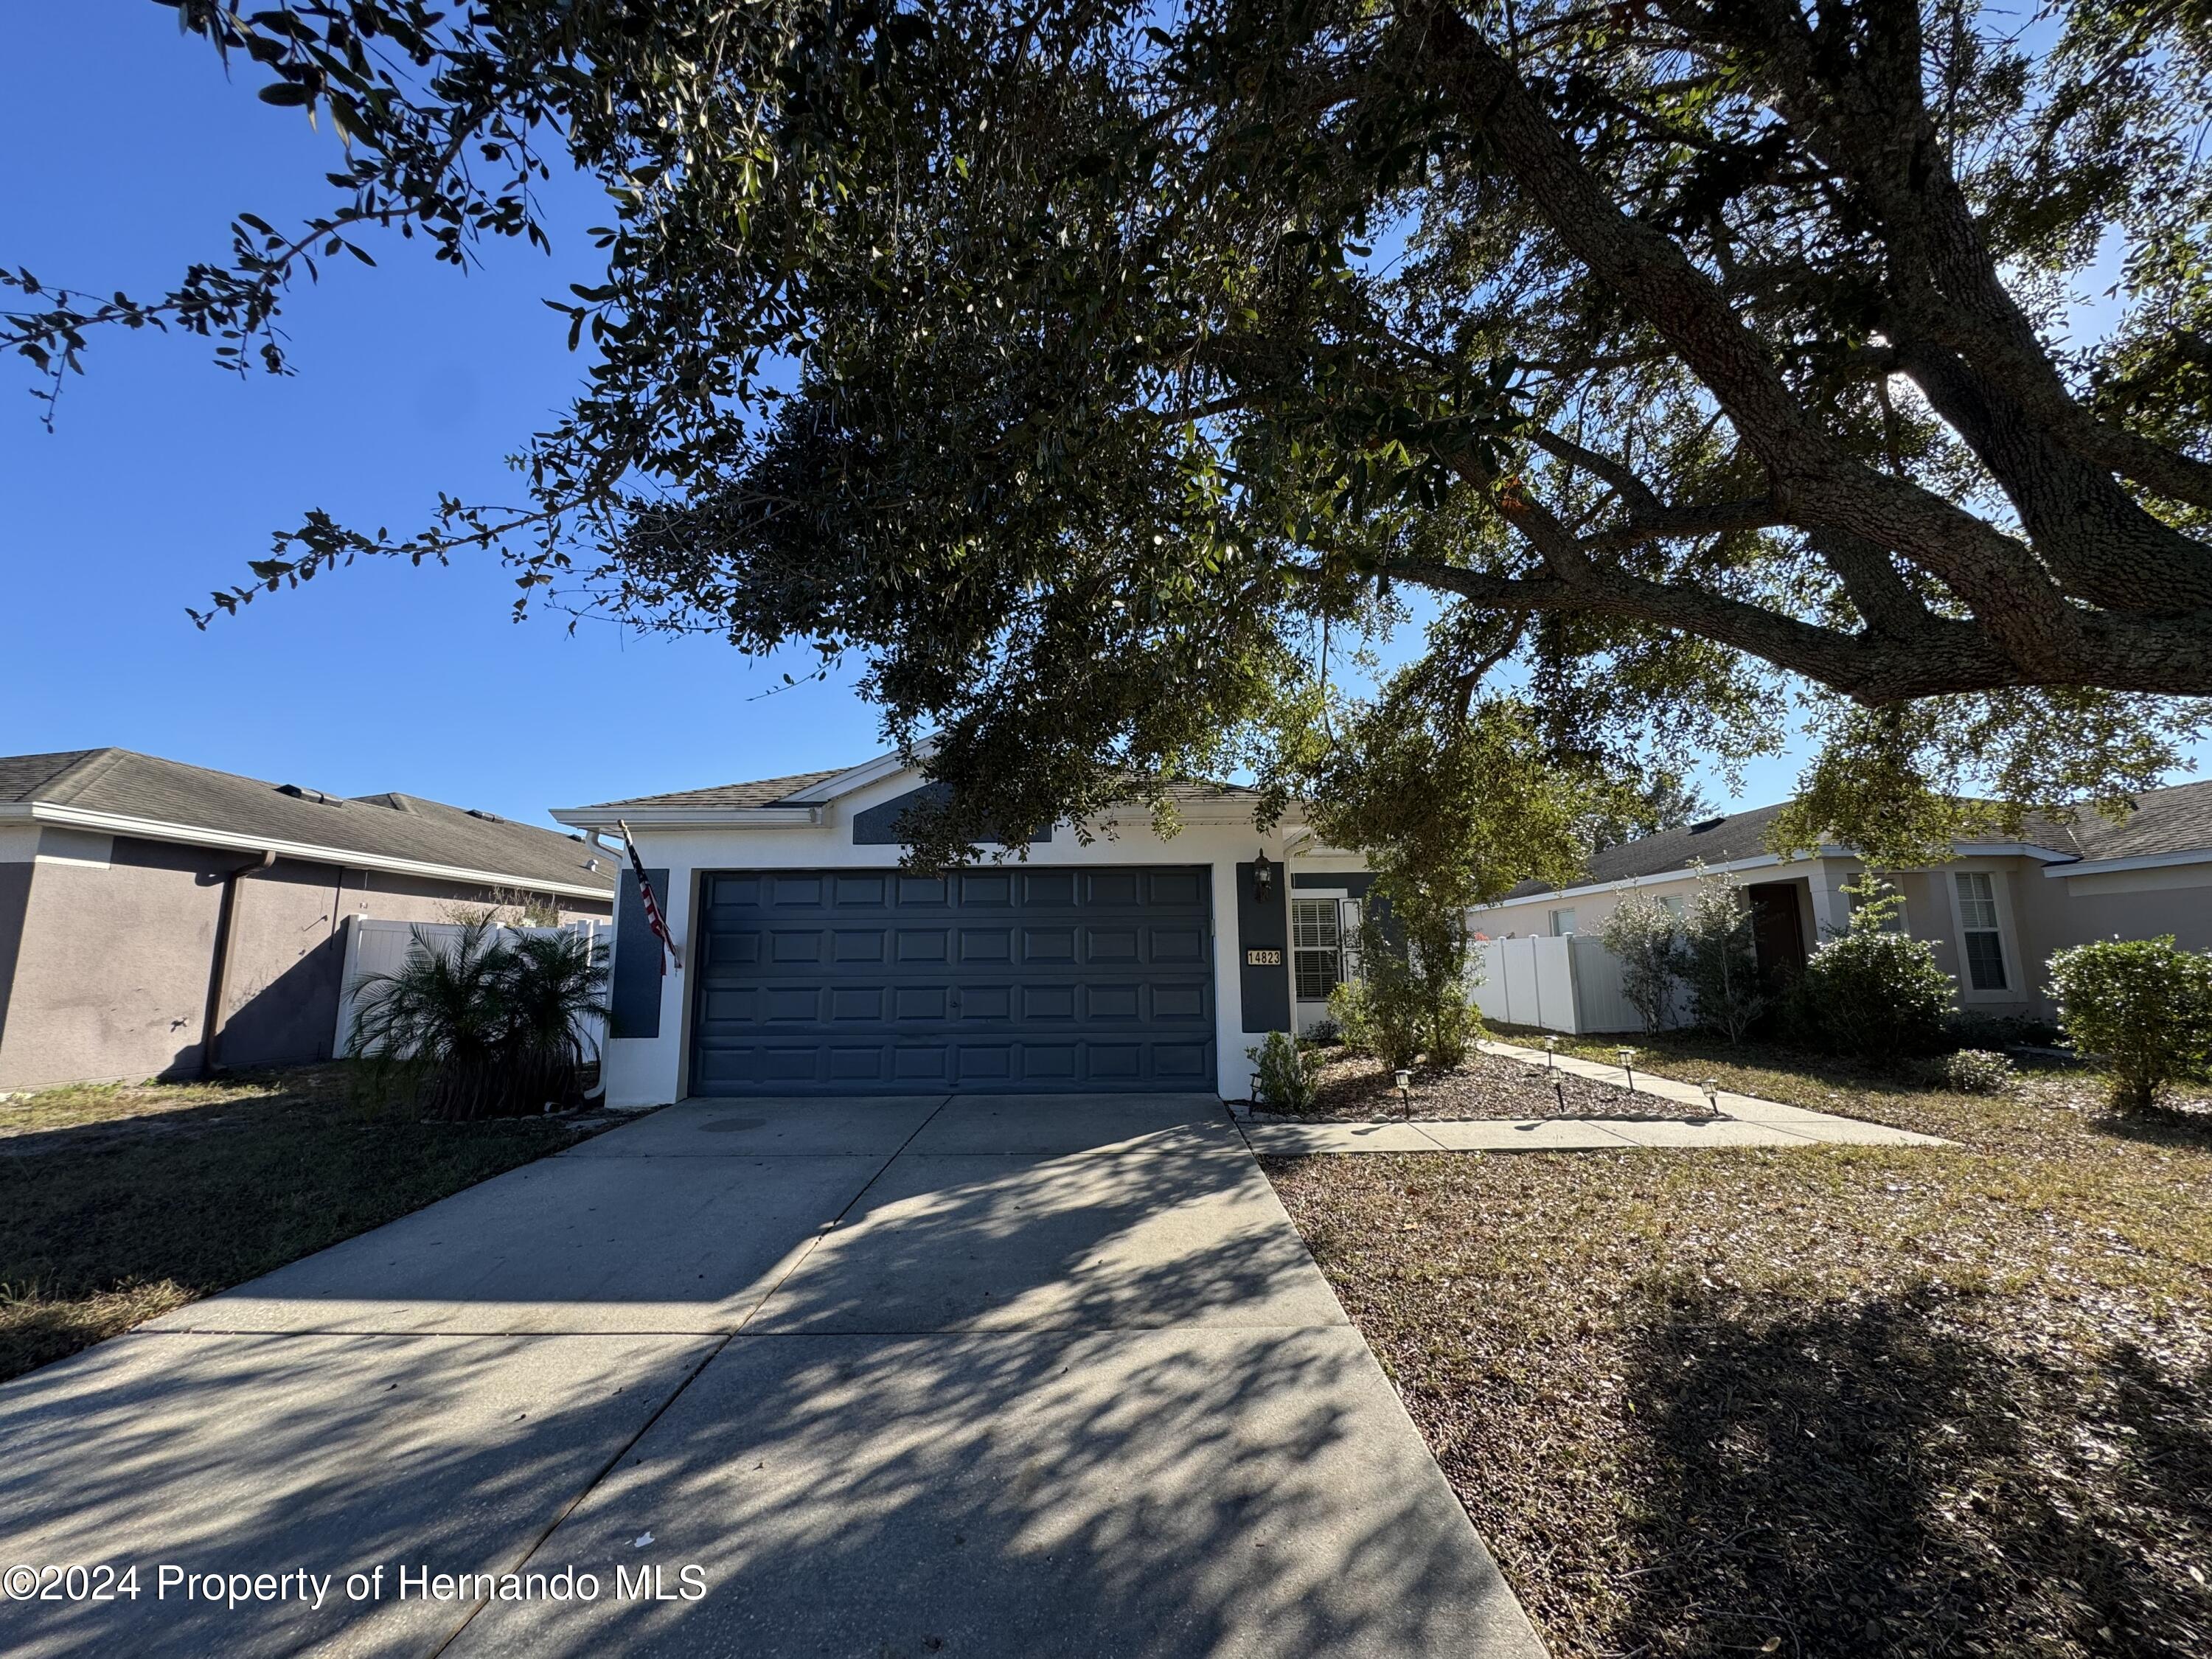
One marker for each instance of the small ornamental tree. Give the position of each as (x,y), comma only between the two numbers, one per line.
(2142,1006)
(1721,962)
(1872,989)
(1452,804)
(1644,935)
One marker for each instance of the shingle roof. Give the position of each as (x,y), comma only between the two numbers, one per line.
(776,791)
(762,791)
(2177,820)
(2165,821)
(394,826)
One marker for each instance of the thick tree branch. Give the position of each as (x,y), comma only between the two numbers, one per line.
(1816,481)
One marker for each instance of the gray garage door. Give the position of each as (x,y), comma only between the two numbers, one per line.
(864,982)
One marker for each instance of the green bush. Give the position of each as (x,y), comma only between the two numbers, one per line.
(1325,1032)
(2144,1005)
(1978,1072)
(1380,1013)
(1288,1071)
(1870,991)
(1644,937)
(1720,960)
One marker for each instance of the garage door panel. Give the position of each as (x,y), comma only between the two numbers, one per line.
(861,1005)
(1181,946)
(1044,945)
(862,981)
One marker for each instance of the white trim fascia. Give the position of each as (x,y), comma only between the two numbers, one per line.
(2008,849)
(857,777)
(708,817)
(188,835)
(1552,895)
(2144,861)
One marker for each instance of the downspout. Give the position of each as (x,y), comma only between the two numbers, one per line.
(219,967)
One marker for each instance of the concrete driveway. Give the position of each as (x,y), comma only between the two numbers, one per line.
(974,1375)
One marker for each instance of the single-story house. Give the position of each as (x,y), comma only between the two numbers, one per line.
(164,919)
(1995,912)
(811,963)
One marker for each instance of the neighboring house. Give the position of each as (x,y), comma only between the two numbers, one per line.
(1995,912)
(163,920)
(812,964)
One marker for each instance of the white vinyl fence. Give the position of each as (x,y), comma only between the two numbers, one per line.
(1570,985)
(380,947)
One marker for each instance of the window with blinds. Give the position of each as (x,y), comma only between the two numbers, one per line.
(1978,926)
(1316,947)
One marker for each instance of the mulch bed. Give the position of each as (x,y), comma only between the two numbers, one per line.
(1355,1090)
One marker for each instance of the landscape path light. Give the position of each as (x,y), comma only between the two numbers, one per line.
(1712,1096)
(1628,1064)
(1405,1081)
(1550,1049)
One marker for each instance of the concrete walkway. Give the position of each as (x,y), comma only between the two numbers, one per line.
(1742,1121)
(969,1375)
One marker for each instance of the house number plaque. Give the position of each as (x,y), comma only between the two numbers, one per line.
(1263,958)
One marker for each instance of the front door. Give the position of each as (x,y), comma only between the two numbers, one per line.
(1777,932)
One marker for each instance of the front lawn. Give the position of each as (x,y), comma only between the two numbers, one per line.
(1835,1400)
(121,1202)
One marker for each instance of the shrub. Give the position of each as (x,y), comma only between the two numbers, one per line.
(1978,1072)
(1979,1030)
(1720,961)
(1288,1071)
(1380,1012)
(481,1029)
(2143,1005)
(1869,991)
(1643,935)
(1325,1032)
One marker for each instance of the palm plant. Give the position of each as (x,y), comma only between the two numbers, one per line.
(481,1028)
(553,980)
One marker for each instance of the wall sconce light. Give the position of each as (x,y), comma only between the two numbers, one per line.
(1263,878)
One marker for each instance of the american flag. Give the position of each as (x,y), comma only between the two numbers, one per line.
(653,919)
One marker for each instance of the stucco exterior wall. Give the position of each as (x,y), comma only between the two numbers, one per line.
(644,1070)
(111,978)
(115,953)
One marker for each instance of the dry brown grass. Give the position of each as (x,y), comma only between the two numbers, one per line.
(119,1202)
(1831,1400)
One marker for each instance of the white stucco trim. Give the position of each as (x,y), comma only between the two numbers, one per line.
(2147,861)
(857,777)
(188,835)
(688,818)
(1554,895)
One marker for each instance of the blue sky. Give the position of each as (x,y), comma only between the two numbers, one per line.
(166,475)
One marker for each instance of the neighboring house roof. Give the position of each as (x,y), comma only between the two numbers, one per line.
(124,792)
(2165,822)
